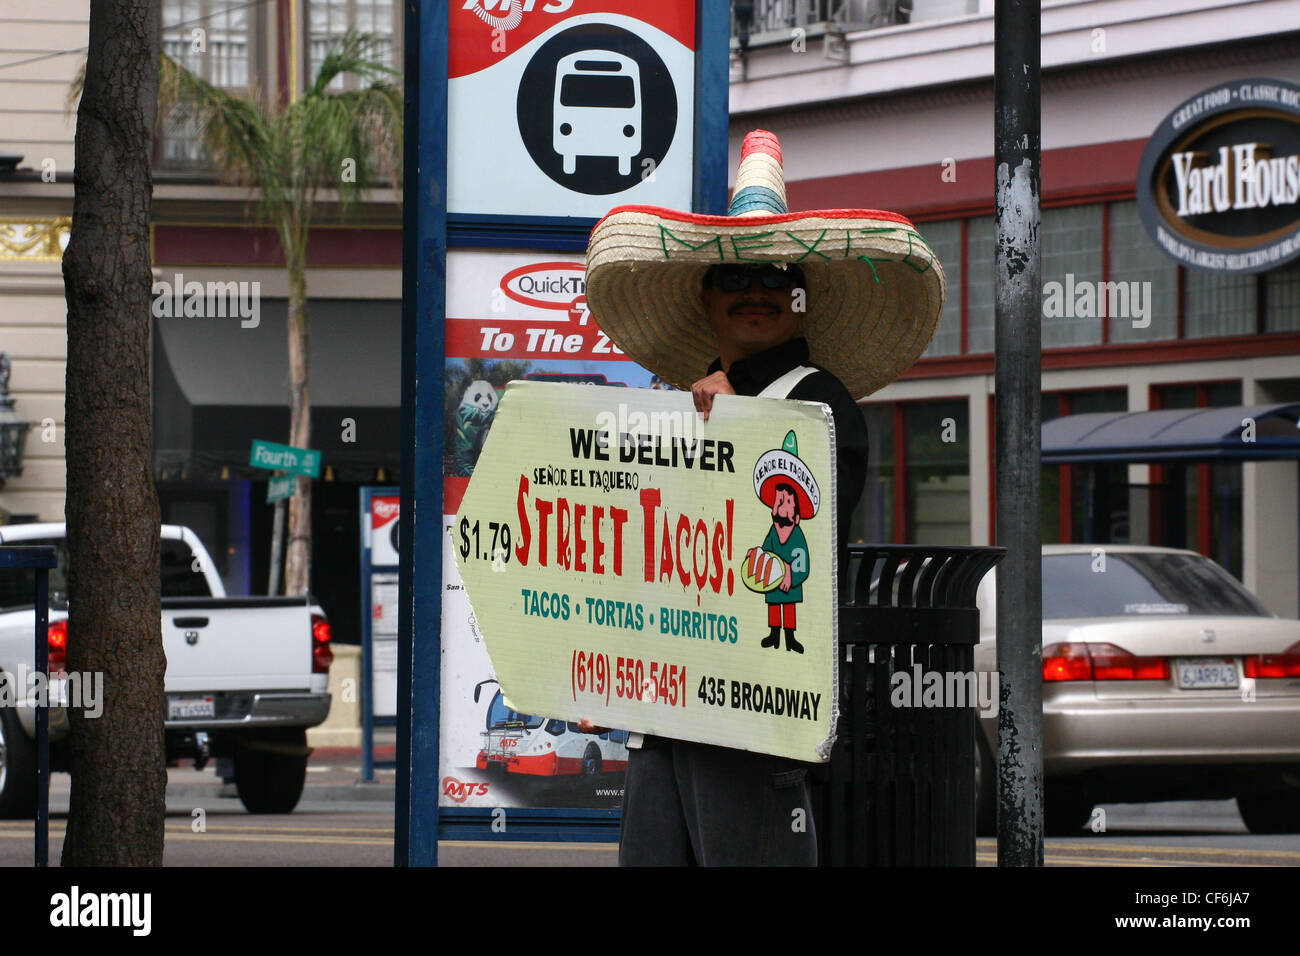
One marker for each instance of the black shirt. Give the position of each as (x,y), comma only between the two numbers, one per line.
(750,376)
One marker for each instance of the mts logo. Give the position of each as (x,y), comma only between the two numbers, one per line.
(460,791)
(509,742)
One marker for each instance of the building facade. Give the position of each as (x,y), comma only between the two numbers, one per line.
(900,117)
(878,104)
(220,368)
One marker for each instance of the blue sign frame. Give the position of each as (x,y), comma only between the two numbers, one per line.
(427,233)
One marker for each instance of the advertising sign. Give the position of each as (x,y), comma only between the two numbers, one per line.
(385,525)
(630,563)
(1219,183)
(570,107)
(512,315)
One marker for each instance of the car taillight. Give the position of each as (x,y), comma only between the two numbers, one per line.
(58,641)
(1066,662)
(1286,664)
(1081,661)
(321,655)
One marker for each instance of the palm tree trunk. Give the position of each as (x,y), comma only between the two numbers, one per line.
(119,777)
(297,573)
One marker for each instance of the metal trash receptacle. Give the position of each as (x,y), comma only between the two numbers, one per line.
(899,789)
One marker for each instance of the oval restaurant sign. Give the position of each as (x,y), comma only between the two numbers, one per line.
(1219,183)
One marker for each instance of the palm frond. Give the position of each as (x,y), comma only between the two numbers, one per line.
(236,129)
(355,53)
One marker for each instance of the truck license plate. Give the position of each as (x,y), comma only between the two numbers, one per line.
(1197,672)
(190,708)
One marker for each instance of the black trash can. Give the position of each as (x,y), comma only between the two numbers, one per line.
(899,789)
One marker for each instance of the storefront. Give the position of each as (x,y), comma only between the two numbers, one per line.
(1127,326)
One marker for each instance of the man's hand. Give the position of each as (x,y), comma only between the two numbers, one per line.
(704,390)
(786,579)
(587,727)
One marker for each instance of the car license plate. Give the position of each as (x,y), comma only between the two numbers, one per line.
(190,708)
(1196,672)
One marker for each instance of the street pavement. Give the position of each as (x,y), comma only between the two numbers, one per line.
(343,822)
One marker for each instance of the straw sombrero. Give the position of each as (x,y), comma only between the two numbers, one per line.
(875,288)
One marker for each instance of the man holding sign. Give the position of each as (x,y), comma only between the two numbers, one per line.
(820,307)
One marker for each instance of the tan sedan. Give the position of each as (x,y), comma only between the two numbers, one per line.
(1163,679)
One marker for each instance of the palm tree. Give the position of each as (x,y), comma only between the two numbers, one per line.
(326,140)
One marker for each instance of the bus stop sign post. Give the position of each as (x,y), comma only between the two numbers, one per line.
(424,258)
(547,200)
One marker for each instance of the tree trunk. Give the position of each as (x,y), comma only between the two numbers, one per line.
(119,777)
(297,572)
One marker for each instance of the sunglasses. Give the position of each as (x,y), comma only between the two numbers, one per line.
(733,279)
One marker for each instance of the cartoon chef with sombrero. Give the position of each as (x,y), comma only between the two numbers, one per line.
(786,485)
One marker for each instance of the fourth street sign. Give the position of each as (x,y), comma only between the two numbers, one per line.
(299,461)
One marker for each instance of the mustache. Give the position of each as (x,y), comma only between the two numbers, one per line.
(753,304)
(782,520)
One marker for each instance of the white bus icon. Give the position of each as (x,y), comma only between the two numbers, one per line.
(597,108)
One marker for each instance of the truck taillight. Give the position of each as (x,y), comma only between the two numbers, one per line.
(58,641)
(1082,661)
(321,655)
(1286,664)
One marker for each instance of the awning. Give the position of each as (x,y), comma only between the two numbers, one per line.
(218,386)
(1175,435)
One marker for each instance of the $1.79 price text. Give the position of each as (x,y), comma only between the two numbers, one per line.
(493,544)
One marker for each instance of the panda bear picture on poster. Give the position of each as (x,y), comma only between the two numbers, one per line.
(473,419)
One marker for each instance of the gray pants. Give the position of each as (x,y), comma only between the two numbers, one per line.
(688,804)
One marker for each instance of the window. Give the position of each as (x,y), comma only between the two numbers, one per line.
(1085,502)
(979,284)
(938,472)
(1282,299)
(944,238)
(179,579)
(1218,304)
(213,39)
(1071,255)
(1198,506)
(1134,258)
(1141,584)
(873,519)
(328,21)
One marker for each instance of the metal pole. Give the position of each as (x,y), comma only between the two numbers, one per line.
(277,549)
(1018,311)
(424,275)
(42,718)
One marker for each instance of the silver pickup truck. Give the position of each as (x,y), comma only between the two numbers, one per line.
(246,676)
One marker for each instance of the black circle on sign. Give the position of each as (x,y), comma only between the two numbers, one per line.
(601,162)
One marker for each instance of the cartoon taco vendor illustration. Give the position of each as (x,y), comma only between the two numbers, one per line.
(779,567)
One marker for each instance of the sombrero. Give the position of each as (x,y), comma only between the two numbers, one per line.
(875,288)
(783,466)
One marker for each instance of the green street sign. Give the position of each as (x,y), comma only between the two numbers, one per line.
(300,461)
(281,486)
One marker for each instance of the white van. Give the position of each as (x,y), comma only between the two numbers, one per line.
(597,108)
